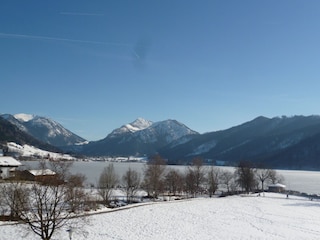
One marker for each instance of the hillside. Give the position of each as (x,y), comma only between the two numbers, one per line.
(258,140)
(44,129)
(11,133)
(304,155)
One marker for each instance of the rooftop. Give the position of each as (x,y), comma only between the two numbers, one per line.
(6,161)
(42,172)
(277,185)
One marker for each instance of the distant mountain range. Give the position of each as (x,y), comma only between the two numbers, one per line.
(281,142)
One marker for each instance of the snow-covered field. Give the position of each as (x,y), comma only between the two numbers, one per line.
(248,217)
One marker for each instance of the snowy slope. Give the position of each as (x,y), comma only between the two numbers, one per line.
(44,129)
(137,125)
(164,131)
(31,151)
(270,217)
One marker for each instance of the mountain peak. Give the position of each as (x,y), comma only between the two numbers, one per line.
(141,123)
(23,117)
(137,125)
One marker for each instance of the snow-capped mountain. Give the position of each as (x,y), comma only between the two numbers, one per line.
(11,133)
(137,125)
(166,131)
(139,137)
(24,117)
(44,129)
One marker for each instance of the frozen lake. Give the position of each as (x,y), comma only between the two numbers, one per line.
(302,181)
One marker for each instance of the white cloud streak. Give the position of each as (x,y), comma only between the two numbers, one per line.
(36,37)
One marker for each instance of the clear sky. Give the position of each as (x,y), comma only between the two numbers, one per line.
(95,65)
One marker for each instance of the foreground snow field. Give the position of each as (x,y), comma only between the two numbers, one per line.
(248,217)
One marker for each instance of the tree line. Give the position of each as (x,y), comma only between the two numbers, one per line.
(197,179)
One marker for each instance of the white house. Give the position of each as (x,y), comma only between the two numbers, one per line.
(7,165)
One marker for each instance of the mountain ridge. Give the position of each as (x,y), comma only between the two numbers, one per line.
(146,140)
(11,133)
(257,140)
(282,142)
(44,129)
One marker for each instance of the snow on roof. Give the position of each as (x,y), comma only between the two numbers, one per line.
(42,172)
(277,185)
(9,162)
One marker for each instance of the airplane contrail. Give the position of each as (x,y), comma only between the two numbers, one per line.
(36,37)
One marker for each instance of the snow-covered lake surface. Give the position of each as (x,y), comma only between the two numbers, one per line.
(248,217)
(302,181)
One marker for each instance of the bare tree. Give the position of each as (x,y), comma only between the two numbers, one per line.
(246,176)
(174,181)
(76,194)
(107,182)
(44,207)
(227,178)
(195,176)
(190,186)
(14,198)
(275,177)
(213,180)
(199,172)
(61,168)
(153,176)
(263,176)
(131,182)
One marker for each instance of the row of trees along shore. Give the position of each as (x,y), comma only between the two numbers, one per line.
(197,179)
(49,205)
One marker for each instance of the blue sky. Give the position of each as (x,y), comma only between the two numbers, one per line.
(95,65)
